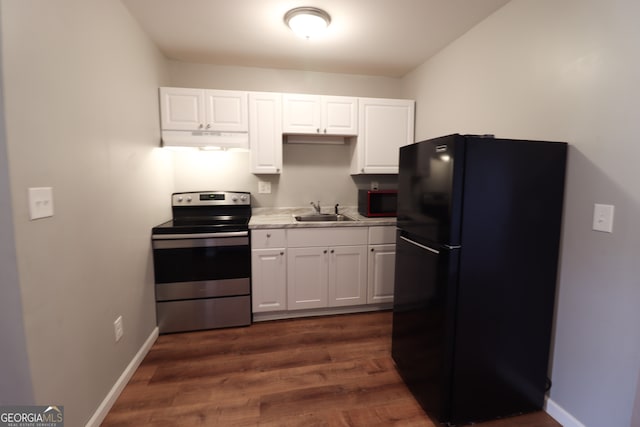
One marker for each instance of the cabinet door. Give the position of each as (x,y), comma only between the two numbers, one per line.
(226,111)
(381,266)
(307,277)
(268,280)
(347,275)
(384,126)
(181,109)
(300,114)
(339,115)
(265,132)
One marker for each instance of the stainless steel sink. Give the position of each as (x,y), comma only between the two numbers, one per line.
(322,218)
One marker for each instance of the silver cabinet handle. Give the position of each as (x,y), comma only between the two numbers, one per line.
(208,126)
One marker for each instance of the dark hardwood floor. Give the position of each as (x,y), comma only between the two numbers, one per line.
(324,371)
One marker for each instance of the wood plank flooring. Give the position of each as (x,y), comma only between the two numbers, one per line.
(323,371)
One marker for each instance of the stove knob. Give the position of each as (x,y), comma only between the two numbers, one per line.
(234,198)
(189,199)
(179,199)
(243,198)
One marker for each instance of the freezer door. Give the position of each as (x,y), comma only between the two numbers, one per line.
(423,322)
(430,189)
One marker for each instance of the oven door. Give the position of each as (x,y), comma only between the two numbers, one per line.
(201,257)
(203,281)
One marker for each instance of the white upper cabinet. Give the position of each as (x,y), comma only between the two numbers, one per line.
(319,115)
(340,115)
(201,109)
(385,125)
(265,132)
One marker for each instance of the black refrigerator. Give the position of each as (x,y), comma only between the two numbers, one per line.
(479,221)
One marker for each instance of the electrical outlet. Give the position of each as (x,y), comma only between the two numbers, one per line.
(40,202)
(603,218)
(118,328)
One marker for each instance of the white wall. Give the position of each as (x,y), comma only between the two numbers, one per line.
(309,172)
(15,387)
(279,80)
(80,85)
(564,71)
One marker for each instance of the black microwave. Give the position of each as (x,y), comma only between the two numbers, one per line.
(377,203)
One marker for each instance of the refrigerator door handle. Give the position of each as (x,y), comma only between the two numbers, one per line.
(435,251)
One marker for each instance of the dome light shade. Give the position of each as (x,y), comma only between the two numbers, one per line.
(307,22)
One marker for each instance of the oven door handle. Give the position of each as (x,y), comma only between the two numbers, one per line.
(199,235)
(200,243)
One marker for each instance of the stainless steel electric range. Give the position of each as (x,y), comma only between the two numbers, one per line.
(202,262)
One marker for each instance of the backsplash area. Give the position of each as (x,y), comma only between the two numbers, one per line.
(310,172)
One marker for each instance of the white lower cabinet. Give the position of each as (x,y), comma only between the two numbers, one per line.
(269,277)
(327,276)
(381,264)
(347,275)
(326,267)
(380,277)
(321,269)
(307,273)
(268,271)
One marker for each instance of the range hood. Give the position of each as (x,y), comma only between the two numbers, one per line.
(315,139)
(205,139)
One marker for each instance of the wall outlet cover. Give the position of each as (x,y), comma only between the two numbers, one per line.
(118,328)
(603,218)
(40,202)
(264,187)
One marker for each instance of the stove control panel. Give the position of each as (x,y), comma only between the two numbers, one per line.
(211,198)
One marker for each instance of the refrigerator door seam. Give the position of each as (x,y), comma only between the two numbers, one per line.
(419,245)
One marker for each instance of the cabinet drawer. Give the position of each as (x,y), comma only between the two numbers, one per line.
(381,235)
(268,239)
(326,236)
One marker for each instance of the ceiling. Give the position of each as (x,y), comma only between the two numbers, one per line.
(371,37)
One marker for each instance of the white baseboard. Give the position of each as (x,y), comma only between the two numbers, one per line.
(117,388)
(559,414)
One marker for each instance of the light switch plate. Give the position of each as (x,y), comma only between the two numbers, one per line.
(40,202)
(264,187)
(603,218)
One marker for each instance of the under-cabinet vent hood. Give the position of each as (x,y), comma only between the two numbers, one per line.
(205,139)
(316,139)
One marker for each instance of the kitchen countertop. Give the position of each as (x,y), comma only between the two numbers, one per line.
(264,218)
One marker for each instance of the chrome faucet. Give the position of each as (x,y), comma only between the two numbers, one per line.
(316,207)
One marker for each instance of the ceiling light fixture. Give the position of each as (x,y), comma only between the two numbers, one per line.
(307,22)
